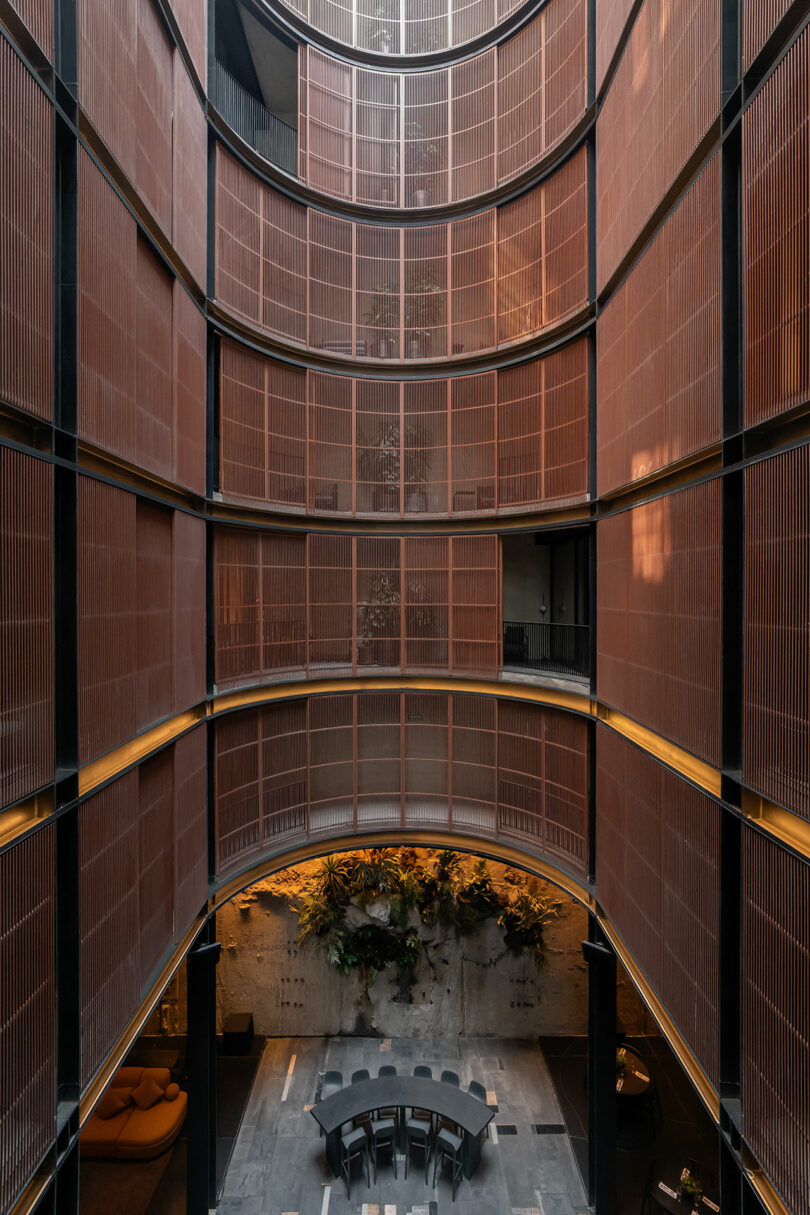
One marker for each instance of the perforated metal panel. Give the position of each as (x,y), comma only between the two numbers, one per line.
(189,173)
(776,696)
(658,879)
(658,346)
(26,625)
(776,206)
(27,1010)
(26,239)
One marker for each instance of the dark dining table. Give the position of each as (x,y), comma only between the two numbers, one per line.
(384,1092)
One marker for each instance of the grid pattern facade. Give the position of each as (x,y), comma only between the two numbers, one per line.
(491,306)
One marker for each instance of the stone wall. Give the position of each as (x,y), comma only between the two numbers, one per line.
(461,987)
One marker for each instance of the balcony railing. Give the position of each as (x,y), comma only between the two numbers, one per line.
(272,138)
(561,648)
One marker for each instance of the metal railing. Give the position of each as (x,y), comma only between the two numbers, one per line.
(562,648)
(272,138)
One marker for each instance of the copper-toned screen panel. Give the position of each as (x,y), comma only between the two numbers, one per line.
(238,210)
(38,16)
(521,267)
(154,684)
(284,603)
(658,879)
(379,602)
(237,587)
(26,239)
(473,447)
(362,762)
(472,303)
(331,296)
(776,695)
(424,291)
(329,124)
(776,1014)
(156,862)
(378,22)
(190,154)
(189,391)
(377,138)
(565,237)
(474,593)
(425,147)
(190,828)
(760,19)
(191,17)
(26,625)
(107,633)
(108,309)
(424,456)
(27,1011)
(331,607)
(658,346)
(262,428)
(188,544)
(776,203)
(565,25)
(154,115)
(521,97)
(378,444)
(611,18)
(108,74)
(426,617)
(473,126)
(377,290)
(330,425)
(370,291)
(658,616)
(663,99)
(108,893)
(154,404)
(238,807)
(543,430)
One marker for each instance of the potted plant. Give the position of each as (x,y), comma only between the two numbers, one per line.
(382,315)
(380,466)
(689,1188)
(420,613)
(380,620)
(417,468)
(423,312)
(421,159)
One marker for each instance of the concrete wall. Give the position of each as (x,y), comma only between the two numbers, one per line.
(525,579)
(459,988)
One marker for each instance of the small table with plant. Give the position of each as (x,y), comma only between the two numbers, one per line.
(682,1191)
(632,1076)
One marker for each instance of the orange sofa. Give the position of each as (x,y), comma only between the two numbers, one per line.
(134,1133)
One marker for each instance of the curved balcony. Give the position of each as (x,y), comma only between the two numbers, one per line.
(498,443)
(378,293)
(331,766)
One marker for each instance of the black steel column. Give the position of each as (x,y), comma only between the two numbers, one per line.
(201,1046)
(601,1077)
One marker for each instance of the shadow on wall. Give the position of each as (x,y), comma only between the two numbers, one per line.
(467,986)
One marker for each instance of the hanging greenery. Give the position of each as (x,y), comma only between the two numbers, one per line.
(439,889)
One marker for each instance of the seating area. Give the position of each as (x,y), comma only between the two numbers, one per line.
(139,1116)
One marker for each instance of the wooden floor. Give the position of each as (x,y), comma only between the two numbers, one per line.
(278,1165)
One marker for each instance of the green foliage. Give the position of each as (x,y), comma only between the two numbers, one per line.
(522,921)
(440,891)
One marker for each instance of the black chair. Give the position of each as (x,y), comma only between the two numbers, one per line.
(353,1146)
(448,1148)
(390,1111)
(383,1134)
(424,1071)
(417,1134)
(332,1083)
(361,1074)
(387,1069)
(450,1078)
(480,1093)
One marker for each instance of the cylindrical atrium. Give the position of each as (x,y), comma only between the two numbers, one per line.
(404,442)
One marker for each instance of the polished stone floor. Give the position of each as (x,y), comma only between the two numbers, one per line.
(278,1165)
